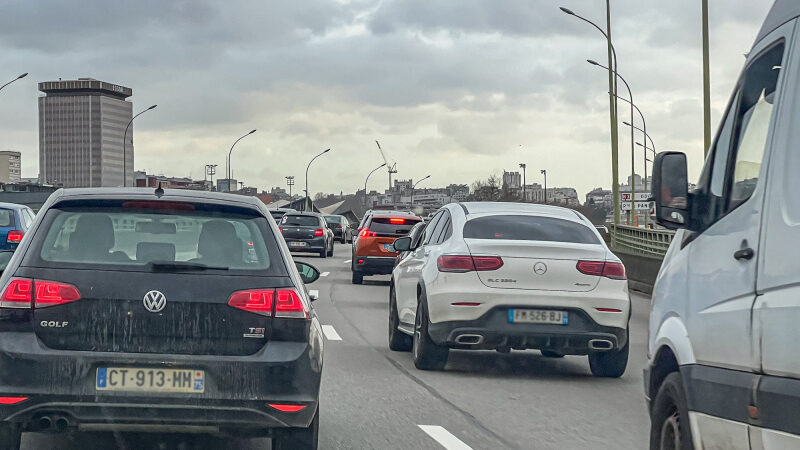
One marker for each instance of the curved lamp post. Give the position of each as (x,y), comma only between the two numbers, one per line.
(124,146)
(228,165)
(308,199)
(15,79)
(415,186)
(367,180)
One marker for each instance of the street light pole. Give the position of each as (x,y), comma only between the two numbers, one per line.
(15,79)
(308,199)
(211,169)
(228,162)
(544,172)
(706,83)
(367,180)
(414,187)
(124,145)
(290,183)
(632,214)
(523,166)
(612,87)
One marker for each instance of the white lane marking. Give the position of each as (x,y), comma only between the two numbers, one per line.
(348,261)
(444,437)
(324,274)
(331,333)
(312,292)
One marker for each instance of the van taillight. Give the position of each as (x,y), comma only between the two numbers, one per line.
(467,263)
(613,270)
(259,301)
(19,293)
(14,236)
(319,232)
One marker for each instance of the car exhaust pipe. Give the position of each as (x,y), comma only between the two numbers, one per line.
(602,345)
(469,339)
(45,422)
(61,423)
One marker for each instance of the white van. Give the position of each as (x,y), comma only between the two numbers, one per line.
(724,345)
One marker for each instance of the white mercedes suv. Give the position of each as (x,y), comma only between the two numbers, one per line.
(502,276)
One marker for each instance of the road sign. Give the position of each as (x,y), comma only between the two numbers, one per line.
(640,206)
(640,197)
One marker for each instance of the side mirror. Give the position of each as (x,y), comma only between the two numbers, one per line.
(671,190)
(402,244)
(308,273)
(5,257)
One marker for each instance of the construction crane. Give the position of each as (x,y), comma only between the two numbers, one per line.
(390,166)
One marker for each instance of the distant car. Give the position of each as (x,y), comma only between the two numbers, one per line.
(14,223)
(307,232)
(341,228)
(369,214)
(206,320)
(278,213)
(372,251)
(497,276)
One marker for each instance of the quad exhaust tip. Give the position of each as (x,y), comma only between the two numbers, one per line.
(601,344)
(45,422)
(61,423)
(469,339)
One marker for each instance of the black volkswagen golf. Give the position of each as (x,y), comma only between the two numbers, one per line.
(140,309)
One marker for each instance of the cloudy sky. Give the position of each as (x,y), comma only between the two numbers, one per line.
(454,88)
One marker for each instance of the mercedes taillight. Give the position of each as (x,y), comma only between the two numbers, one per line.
(467,263)
(613,270)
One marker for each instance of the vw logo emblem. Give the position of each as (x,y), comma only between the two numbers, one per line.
(539,268)
(154,301)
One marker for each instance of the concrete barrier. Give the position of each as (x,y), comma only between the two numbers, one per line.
(642,270)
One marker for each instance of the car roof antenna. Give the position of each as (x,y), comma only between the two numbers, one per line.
(159,192)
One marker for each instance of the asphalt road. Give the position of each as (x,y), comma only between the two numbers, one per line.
(373,398)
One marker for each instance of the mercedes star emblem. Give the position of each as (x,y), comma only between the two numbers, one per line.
(154,301)
(539,268)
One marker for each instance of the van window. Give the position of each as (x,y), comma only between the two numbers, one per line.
(720,151)
(753,123)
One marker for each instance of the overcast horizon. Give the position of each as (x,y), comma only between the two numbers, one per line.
(458,89)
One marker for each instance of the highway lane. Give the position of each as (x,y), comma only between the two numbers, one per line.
(373,398)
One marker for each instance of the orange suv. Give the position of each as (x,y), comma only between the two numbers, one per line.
(372,250)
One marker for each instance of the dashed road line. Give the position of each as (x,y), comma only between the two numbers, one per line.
(444,437)
(324,274)
(313,292)
(331,333)
(348,261)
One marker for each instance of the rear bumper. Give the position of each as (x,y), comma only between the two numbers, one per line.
(373,265)
(496,331)
(238,389)
(312,245)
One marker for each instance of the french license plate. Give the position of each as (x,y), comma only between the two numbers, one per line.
(297,244)
(538,316)
(388,247)
(150,380)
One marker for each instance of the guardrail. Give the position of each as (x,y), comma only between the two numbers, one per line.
(640,241)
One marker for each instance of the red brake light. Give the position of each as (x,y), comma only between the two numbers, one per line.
(467,263)
(287,408)
(12,400)
(14,236)
(613,270)
(259,301)
(18,294)
(364,232)
(255,301)
(319,232)
(280,229)
(288,304)
(397,220)
(51,293)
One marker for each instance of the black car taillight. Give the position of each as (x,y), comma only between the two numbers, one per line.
(19,293)
(259,301)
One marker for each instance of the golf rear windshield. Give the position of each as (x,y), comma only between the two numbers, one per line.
(529,228)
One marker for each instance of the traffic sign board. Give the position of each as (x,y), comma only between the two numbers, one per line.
(640,206)
(640,196)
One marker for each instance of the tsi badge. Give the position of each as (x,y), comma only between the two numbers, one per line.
(254,333)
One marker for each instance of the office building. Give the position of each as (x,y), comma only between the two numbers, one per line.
(10,167)
(81,127)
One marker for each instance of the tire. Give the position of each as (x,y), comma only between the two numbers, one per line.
(358,277)
(330,252)
(10,436)
(297,438)
(344,239)
(323,253)
(551,354)
(427,355)
(610,364)
(398,341)
(669,419)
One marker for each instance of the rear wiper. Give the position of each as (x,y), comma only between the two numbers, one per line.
(167,266)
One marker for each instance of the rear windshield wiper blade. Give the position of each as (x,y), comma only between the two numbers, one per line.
(167,266)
